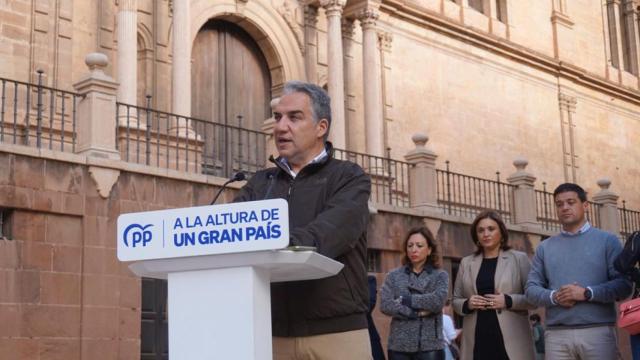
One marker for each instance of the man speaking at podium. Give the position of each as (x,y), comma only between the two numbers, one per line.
(325,318)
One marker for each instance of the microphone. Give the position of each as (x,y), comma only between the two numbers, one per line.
(239,176)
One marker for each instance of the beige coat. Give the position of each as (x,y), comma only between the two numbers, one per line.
(510,278)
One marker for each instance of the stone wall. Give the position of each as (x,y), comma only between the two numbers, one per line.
(65,295)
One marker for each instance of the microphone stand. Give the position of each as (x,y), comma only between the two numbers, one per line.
(239,176)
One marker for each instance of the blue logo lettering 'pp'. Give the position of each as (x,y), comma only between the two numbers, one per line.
(139,235)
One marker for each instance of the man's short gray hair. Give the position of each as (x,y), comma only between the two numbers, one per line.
(320,100)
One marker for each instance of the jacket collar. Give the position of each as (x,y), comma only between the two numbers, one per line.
(476,261)
(427,268)
(312,167)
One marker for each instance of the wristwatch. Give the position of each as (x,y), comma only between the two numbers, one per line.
(588,294)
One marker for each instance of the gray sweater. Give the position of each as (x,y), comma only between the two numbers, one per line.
(586,259)
(425,291)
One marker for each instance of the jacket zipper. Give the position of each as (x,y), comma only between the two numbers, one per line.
(290,188)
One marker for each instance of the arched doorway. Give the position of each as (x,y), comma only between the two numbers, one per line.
(230,85)
(230,76)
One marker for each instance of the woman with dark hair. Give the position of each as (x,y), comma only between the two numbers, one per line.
(413,295)
(489,293)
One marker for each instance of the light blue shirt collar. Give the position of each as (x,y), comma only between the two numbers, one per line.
(323,154)
(582,230)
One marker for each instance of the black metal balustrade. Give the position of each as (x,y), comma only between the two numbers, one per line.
(389,178)
(165,140)
(44,117)
(466,196)
(37,115)
(629,220)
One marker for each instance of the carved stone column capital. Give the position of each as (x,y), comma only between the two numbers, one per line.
(127,5)
(333,7)
(310,15)
(385,39)
(567,102)
(368,18)
(348,28)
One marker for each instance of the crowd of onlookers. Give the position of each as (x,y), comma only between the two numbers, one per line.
(576,276)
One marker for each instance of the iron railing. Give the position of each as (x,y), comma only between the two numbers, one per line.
(166,140)
(546,210)
(37,115)
(629,220)
(389,177)
(465,195)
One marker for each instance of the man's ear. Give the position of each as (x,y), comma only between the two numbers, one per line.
(322,127)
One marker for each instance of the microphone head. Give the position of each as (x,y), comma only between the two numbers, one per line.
(239,176)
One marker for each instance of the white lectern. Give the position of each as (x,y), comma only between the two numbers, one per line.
(219,267)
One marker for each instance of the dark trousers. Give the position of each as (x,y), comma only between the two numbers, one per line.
(635,346)
(420,355)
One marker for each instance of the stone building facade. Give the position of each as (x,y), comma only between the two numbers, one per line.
(566,98)
(490,81)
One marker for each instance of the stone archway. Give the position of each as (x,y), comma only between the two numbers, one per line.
(267,28)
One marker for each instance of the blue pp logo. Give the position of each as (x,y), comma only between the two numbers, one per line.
(137,235)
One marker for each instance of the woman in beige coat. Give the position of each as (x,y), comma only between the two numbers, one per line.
(489,293)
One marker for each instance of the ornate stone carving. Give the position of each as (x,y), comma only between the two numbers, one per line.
(240,4)
(104,178)
(368,17)
(385,39)
(333,7)
(310,15)
(348,28)
(127,5)
(567,102)
(288,14)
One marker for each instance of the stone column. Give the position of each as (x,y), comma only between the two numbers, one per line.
(97,110)
(372,77)
(333,10)
(567,103)
(524,195)
(422,175)
(311,43)
(127,28)
(351,129)
(267,127)
(181,50)
(630,22)
(613,14)
(608,211)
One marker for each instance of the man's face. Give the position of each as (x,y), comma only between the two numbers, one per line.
(569,208)
(298,138)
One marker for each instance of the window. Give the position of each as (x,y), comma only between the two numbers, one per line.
(5,224)
(373,261)
(622,35)
(501,10)
(627,36)
(477,5)
(613,34)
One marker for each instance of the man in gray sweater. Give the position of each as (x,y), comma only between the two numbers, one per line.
(572,275)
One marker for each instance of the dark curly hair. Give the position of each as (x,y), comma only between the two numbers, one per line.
(434,258)
(493,215)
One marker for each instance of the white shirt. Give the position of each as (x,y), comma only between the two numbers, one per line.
(323,154)
(448,330)
(583,229)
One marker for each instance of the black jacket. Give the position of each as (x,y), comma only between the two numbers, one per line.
(327,209)
(626,261)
